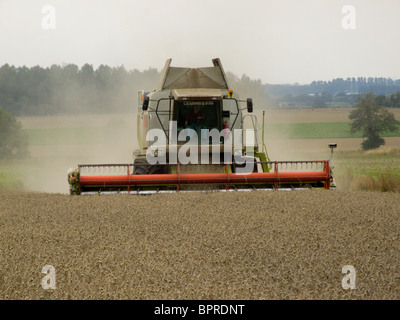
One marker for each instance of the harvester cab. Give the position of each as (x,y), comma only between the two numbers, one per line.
(195,133)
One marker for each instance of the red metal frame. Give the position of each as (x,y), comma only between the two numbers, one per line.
(226,178)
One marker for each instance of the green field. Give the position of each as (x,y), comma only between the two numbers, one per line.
(317,130)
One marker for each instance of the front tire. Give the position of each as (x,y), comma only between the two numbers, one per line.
(143,167)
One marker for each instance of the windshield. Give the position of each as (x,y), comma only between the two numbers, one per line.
(198,114)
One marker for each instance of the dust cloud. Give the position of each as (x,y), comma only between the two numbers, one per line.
(93,139)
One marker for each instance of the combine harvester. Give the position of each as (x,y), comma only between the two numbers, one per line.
(194,133)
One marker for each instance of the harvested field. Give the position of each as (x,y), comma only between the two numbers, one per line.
(309,115)
(248,245)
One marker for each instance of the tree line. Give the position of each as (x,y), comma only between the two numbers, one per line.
(13,140)
(360,85)
(326,99)
(68,89)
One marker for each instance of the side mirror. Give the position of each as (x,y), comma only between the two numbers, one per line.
(332,146)
(145,103)
(249,105)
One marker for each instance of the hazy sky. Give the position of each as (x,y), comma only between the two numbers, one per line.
(276,41)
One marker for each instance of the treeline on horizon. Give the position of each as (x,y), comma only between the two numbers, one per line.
(68,89)
(340,99)
(360,85)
